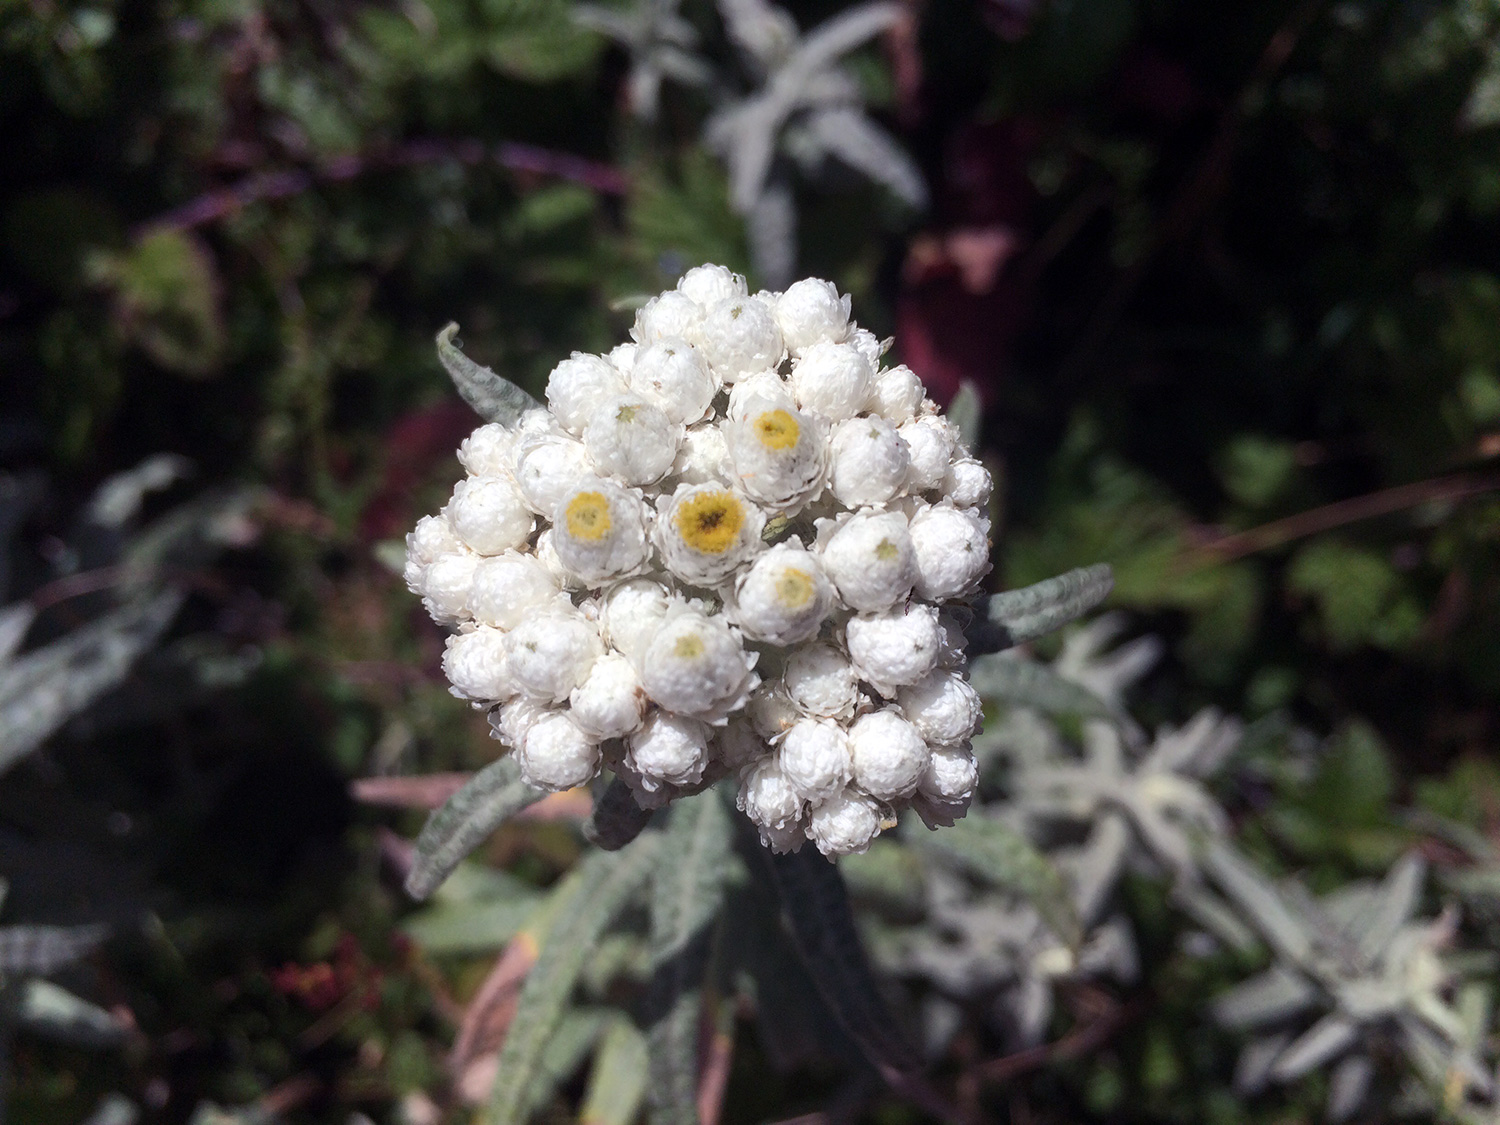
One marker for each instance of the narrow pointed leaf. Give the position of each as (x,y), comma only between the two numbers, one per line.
(863,145)
(1025,683)
(1348,1086)
(1018,616)
(606,883)
(1329,1037)
(494,399)
(563,1055)
(617,1082)
(453,831)
(43,1008)
(1398,898)
(1259,901)
(1270,997)
(966,412)
(823,46)
(44,949)
(616,819)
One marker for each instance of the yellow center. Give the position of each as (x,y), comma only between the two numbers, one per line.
(794,588)
(885,550)
(710,521)
(688,647)
(626,413)
(777,429)
(588,516)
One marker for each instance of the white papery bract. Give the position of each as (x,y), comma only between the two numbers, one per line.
(622,567)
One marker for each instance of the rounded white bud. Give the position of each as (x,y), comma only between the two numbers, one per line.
(819,680)
(928,448)
(767,390)
(952,551)
(869,345)
(898,395)
(556,755)
(697,667)
(889,755)
(599,530)
(489,451)
(668,750)
(490,514)
(447,584)
(670,314)
(832,380)
(870,559)
(780,454)
(546,554)
(508,587)
(844,824)
(869,461)
(739,336)
(632,439)
(551,651)
(476,666)
(967,484)
(952,774)
(672,374)
(708,285)
(610,702)
(703,457)
(546,467)
(816,759)
(510,722)
(576,386)
(772,714)
(789,838)
(432,537)
(622,358)
(767,796)
(705,532)
(943,706)
(811,312)
(895,648)
(784,597)
(630,614)
(739,744)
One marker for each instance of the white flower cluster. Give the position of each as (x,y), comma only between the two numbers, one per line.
(726,546)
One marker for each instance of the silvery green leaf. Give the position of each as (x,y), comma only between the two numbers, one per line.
(568,1046)
(1398,898)
(771,229)
(44,1009)
(190,534)
(617,1082)
(762,30)
(1252,1071)
(1261,902)
(1330,1037)
(494,399)
(1096,867)
(1205,908)
(1198,748)
(1018,616)
(114,1109)
(43,689)
(1031,1002)
(1014,682)
(823,46)
(966,413)
(1111,951)
(616,819)
(863,145)
(41,950)
(118,500)
(490,797)
(15,619)
(1348,1086)
(1267,998)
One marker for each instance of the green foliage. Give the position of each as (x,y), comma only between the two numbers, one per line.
(486,801)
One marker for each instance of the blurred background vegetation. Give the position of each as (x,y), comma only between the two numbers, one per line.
(1227,278)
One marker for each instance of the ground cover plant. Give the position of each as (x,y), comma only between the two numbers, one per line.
(1220,285)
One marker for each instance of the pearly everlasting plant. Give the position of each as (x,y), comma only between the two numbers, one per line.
(735,545)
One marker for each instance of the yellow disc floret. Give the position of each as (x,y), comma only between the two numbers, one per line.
(794,588)
(710,521)
(777,429)
(588,516)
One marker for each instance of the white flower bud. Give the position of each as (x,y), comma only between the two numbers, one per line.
(622,358)
(783,597)
(771,714)
(811,312)
(432,537)
(551,651)
(953,644)
(869,461)
(766,390)
(630,614)
(898,395)
(697,667)
(895,648)
(703,457)
(844,824)
(780,454)
(577,385)
(869,345)
(706,531)
(630,438)
(546,554)
(489,451)
(815,758)
(670,314)
(889,755)
(947,786)
(546,467)
(943,707)
(832,380)
(928,448)
(768,797)
(739,744)
(709,285)
(672,374)
(739,336)
(599,531)
(789,838)
(476,666)
(506,588)
(870,559)
(511,721)
(952,551)
(490,514)
(447,587)
(610,702)
(819,680)
(668,749)
(967,484)
(556,755)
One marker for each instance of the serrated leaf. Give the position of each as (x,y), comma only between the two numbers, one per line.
(494,399)
(617,1082)
(1018,616)
(491,796)
(41,1007)
(1000,856)
(606,882)
(616,819)
(44,949)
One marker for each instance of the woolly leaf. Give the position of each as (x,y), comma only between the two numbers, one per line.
(494,399)
(866,147)
(616,819)
(1398,898)
(1018,616)
(576,1033)
(491,796)
(1268,998)
(1259,900)
(606,882)
(44,949)
(1003,858)
(966,412)
(1023,683)
(41,1007)
(617,1082)
(1329,1037)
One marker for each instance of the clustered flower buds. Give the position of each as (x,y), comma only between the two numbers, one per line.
(723,548)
